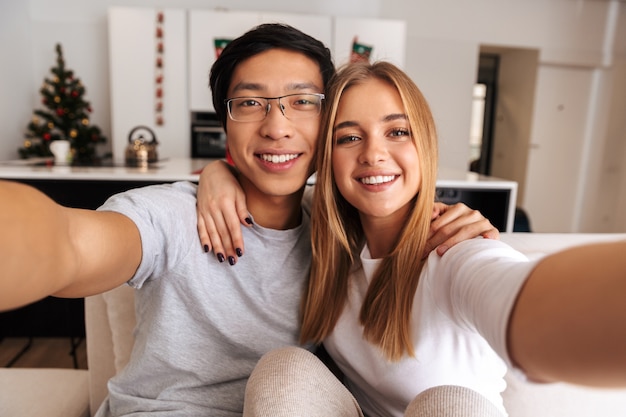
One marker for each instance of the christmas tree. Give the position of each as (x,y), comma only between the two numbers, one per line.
(66,117)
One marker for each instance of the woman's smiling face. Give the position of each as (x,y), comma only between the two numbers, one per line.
(375,161)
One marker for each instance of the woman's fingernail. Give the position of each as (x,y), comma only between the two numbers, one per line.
(220,257)
(239,252)
(248,220)
(231,260)
(206,248)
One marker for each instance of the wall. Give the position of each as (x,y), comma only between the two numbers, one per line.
(444,38)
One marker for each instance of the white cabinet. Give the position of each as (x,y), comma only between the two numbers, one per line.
(132,58)
(206,27)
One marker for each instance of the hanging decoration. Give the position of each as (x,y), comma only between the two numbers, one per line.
(360,52)
(158,77)
(220,44)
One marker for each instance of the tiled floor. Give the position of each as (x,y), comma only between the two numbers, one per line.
(42,353)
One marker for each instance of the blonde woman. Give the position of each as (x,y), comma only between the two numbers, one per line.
(414,336)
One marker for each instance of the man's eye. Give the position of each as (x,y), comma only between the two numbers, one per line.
(249,103)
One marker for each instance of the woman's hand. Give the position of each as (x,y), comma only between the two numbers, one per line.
(221,209)
(453,224)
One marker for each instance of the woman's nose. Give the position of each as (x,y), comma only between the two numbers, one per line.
(374,151)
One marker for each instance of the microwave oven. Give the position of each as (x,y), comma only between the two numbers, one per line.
(208,139)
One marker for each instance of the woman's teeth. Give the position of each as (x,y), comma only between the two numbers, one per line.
(377,179)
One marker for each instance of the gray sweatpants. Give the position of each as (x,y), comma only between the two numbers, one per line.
(292,381)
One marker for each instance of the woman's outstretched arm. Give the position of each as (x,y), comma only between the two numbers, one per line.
(47,249)
(569,321)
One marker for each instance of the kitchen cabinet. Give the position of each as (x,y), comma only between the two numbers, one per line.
(82,187)
(89,187)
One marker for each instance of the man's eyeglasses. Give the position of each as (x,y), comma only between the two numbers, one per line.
(292,106)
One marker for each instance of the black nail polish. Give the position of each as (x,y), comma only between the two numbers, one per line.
(248,220)
(239,252)
(206,248)
(231,260)
(220,257)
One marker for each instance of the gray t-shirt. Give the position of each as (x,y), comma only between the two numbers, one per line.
(203,325)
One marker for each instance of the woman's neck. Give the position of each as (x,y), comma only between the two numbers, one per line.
(382,234)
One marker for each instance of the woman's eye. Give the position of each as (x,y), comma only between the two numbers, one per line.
(347,139)
(400,132)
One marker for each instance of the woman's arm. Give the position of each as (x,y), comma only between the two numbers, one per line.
(47,249)
(453,224)
(221,210)
(569,321)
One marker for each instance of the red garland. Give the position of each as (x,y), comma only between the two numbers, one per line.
(158,79)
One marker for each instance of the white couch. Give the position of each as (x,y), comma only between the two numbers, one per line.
(110,320)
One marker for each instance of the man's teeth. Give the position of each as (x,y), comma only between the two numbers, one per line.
(278,159)
(377,179)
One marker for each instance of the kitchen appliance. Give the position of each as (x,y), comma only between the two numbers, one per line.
(208,139)
(141,148)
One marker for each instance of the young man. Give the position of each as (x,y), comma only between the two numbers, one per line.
(201,327)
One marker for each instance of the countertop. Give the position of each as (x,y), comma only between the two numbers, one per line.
(188,169)
(175,169)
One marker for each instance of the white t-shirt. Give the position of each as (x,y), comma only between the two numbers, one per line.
(459,319)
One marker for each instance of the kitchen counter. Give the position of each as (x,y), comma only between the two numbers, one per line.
(175,169)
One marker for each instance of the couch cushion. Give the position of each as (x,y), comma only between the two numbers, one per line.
(522,399)
(44,392)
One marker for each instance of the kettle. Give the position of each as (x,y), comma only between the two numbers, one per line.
(141,149)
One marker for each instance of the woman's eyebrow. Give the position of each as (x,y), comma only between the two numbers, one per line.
(395,116)
(345,124)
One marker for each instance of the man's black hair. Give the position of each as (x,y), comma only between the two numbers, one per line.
(260,39)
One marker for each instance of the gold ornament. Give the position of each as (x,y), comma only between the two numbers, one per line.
(85,121)
(27,144)
(73,133)
(50,125)
(56,79)
(35,120)
(57,99)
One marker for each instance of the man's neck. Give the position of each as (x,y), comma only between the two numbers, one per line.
(275,212)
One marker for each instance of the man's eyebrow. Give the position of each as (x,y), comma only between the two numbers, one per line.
(298,86)
(247,86)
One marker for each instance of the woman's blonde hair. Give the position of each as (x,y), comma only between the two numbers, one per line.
(337,234)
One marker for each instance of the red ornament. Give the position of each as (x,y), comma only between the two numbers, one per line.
(46,136)
(60,111)
(74,93)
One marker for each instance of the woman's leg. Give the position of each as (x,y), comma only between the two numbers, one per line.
(294,382)
(451,401)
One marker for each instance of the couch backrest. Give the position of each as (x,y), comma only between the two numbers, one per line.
(109,320)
